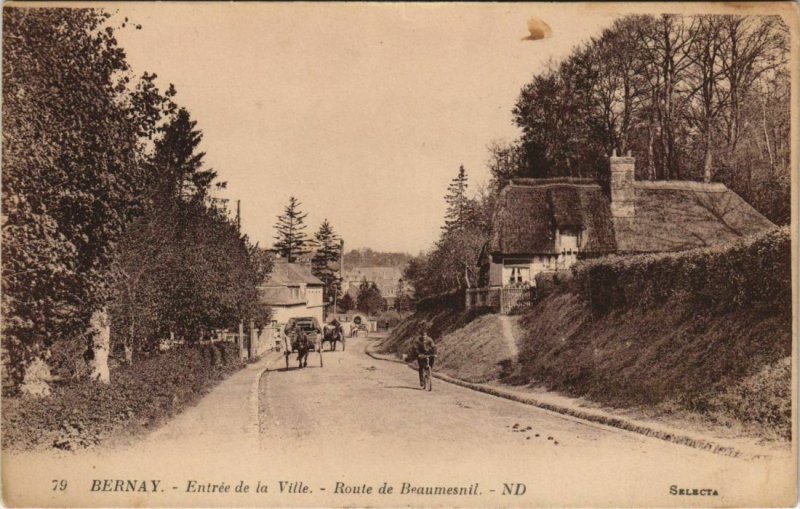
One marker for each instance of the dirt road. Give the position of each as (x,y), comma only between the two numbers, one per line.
(338,435)
(359,420)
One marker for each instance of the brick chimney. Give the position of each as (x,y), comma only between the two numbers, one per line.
(622,193)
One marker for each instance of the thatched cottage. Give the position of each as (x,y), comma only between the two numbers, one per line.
(546,225)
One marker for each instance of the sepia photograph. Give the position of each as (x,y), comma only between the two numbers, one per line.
(354,254)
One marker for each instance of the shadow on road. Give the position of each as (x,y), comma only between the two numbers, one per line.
(402,387)
(294,368)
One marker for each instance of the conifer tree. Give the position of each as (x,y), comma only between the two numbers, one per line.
(176,154)
(328,251)
(460,208)
(291,240)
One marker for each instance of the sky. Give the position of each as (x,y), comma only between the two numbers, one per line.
(364,112)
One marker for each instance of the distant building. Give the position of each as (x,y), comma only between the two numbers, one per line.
(385,278)
(546,225)
(292,292)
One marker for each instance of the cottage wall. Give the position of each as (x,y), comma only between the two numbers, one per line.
(281,314)
(313,307)
(314,302)
(502,269)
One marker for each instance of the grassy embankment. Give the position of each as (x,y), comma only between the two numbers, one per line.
(705,333)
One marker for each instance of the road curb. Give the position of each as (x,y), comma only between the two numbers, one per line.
(260,367)
(595,417)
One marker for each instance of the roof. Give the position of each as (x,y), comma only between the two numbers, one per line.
(670,216)
(277,290)
(291,274)
(673,216)
(279,296)
(529,212)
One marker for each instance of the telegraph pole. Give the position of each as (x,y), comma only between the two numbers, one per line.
(341,272)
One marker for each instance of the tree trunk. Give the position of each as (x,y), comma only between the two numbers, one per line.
(129,345)
(708,158)
(99,346)
(651,156)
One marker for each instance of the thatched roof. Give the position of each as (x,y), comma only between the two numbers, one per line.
(529,212)
(670,216)
(673,216)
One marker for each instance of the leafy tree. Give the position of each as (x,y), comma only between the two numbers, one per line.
(369,298)
(693,97)
(75,127)
(291,241)
(183,267)
(402,301)
(414,274)
(327,254)
(346,303)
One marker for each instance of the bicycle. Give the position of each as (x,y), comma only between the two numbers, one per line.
(427,377)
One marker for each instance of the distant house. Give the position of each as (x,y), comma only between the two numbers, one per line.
(385,278)
(546,225)
(352,320)
(292,291)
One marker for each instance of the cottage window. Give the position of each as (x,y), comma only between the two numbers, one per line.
(519,275)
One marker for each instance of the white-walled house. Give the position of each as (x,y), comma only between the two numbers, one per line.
(547,225)
(292,291)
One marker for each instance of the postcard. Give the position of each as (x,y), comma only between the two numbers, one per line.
(399,254)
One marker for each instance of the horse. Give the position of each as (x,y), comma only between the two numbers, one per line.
(332,332)
(303,345)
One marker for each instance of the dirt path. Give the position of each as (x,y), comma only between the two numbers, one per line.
(508,335)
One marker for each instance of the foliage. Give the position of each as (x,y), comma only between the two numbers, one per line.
(107,203)
(402,300)
(460,212)
(181,175)
(75,127)
(327,254)
(291,241)
(84,414)
(764,398)
(346,303)
(183,267)
(693,97)
(452,263)
(389,319)
(370,300)
(754,273)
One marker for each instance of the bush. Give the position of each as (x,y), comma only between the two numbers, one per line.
(753,273)
(85,413)
(389,319)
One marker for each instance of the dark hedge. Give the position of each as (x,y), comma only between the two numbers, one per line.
(85,413)
(753,273)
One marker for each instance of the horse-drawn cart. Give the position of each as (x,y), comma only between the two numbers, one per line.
(333,332)
(302,336)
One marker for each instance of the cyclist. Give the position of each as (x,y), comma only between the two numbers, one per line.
(422,346)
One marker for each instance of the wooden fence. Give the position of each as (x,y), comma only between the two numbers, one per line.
(255,342)
(500,300)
